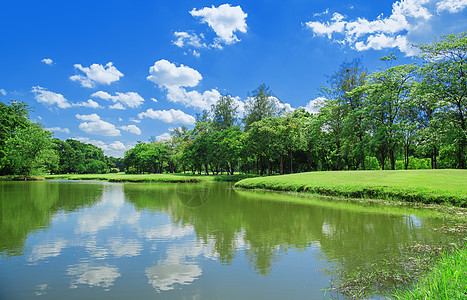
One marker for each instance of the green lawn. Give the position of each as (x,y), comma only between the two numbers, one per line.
(122,177)
(427,186)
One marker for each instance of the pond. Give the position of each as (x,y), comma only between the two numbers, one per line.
(95,240)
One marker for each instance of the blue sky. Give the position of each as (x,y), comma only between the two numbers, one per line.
(116,72)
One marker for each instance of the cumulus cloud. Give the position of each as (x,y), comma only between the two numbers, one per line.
(58,129)
(167,74)
(47,61)
(407,17)
(3,92)
(42,95)
(95,125)
(130,99)
(314,105)
(193,98)
(97,73)
(452,6)
(90,103)
(163,137)
(225,20)
(115,148)
(131,128)
(168,116)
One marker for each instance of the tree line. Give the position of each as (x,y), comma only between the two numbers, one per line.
(27,149)
(407,116)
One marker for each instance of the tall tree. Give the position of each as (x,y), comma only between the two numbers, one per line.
(224,112)
(341,113)
(445,78)
(261,104)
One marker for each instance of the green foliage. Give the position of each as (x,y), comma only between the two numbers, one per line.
(260,105)
(29,151)
(447,279)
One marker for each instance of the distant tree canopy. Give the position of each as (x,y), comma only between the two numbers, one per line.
(27,149)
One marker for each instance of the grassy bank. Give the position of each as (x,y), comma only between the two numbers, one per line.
(447,279)
(425,186)
(172,178)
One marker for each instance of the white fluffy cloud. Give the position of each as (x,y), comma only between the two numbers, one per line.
(168,116)
(225,20)
(452,6)
(97,73)
(96,126)
(193,98)
(314,105)
(167,74)
(90,103)
(50,98)
(130,99)
(115,149)
(3,92)
(47,61)
(58,129)
(131,128)
(407,16)
(163,137)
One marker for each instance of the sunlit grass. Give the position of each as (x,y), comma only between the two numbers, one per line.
(447,279)
(122,177)
(426,186)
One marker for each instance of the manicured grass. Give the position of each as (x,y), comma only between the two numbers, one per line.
(426,186)
(447,279)
(122,177)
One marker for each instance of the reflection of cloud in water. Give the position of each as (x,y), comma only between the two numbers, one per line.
(41,289)
(128,248)
(163,278)
(103,214)
(96,251)
(168,231)
(103,276)
(46,250)
(179,253)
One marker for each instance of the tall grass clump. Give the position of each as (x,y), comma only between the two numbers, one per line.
(446,280)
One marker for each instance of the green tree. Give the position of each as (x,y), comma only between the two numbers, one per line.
(261,104)
(12,118)
(224,112)
(30,151)
(445,79)
(387,101)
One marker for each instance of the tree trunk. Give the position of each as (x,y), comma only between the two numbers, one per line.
(392,159)
(282,164)
(406,157)
(339,160)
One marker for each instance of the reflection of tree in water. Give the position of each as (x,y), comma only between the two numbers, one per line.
(193,198)
(29,206)
(229,219)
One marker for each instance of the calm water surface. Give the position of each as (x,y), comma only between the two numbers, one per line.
(94,240)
